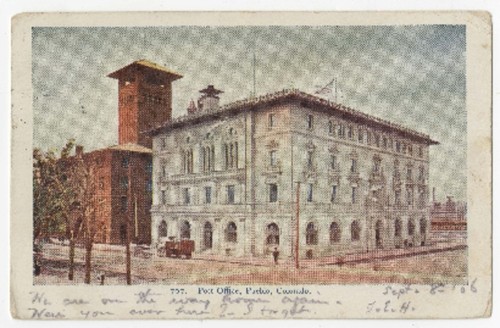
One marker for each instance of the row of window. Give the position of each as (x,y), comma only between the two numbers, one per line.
(363,136)
(312,232)
(273,195)
(207,158)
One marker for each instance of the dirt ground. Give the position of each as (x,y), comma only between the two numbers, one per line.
(442,267)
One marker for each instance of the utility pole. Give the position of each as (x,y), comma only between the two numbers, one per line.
(297,227)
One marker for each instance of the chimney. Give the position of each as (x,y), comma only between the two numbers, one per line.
(191,108)
(79,151)
(209,99)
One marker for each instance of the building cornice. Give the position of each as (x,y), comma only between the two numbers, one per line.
(291,96)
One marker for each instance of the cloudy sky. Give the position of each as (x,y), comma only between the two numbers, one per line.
(413,75)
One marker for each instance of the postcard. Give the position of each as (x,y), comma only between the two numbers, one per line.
(260,165)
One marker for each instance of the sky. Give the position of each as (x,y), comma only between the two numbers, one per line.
(411,75)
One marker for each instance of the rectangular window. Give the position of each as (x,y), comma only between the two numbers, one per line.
(309,159)
(125,162)
(124,203)
(187,196)
(349,133)
(163,197)
(124,182)
(273,193)
(353,195)
(333,162)
(230,194)
(270,122)
(163,171)
(208,195)
(397,197)
(330,127)
(309,121)
(272,157)
(420,152)
(310,192)
(149,186)
(149,167)
(408,174)
(334,194)
(360,135)
(354,166)
(163,143)
(398,146)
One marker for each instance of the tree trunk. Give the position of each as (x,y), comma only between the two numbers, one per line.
(71,258)
(88,254)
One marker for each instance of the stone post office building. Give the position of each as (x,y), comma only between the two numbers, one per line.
(227,178)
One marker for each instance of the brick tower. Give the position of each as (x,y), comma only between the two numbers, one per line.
(144,100)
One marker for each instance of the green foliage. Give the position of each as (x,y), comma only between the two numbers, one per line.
(52,190)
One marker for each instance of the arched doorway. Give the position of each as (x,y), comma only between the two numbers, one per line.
(379,228)
(272,234)
(207,235)
(334,233)
(185,230)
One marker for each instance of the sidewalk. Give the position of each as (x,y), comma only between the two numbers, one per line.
(373,255)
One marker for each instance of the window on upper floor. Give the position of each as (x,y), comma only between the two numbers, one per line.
(272,158)
(350,133)
(163,197)
(398,146)
(354,195)
(354,165)
(333,197)
(208,195)
(397,197)
(330,127)
(230,194)
(310,119)
(149,186)
(420,152)
(124,182)
(273,192)
(163,171)
(360,135)
(341,131)
(125,162)
(149,167)
(163,143)
(310,159)
(310,192)
(124,203)
(270,120)
(384,142)
(333,162)
(231,155)
(187,196)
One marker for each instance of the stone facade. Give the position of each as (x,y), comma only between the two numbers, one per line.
(227,178)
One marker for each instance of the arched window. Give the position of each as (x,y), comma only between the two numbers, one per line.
(272,234)
(231,234)
(411,227)
(311,234)
(355,230)
(185,230)
(334,233)
(397,228)
(162,229)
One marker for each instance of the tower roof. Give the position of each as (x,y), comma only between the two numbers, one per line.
(143,63)
(211,91)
